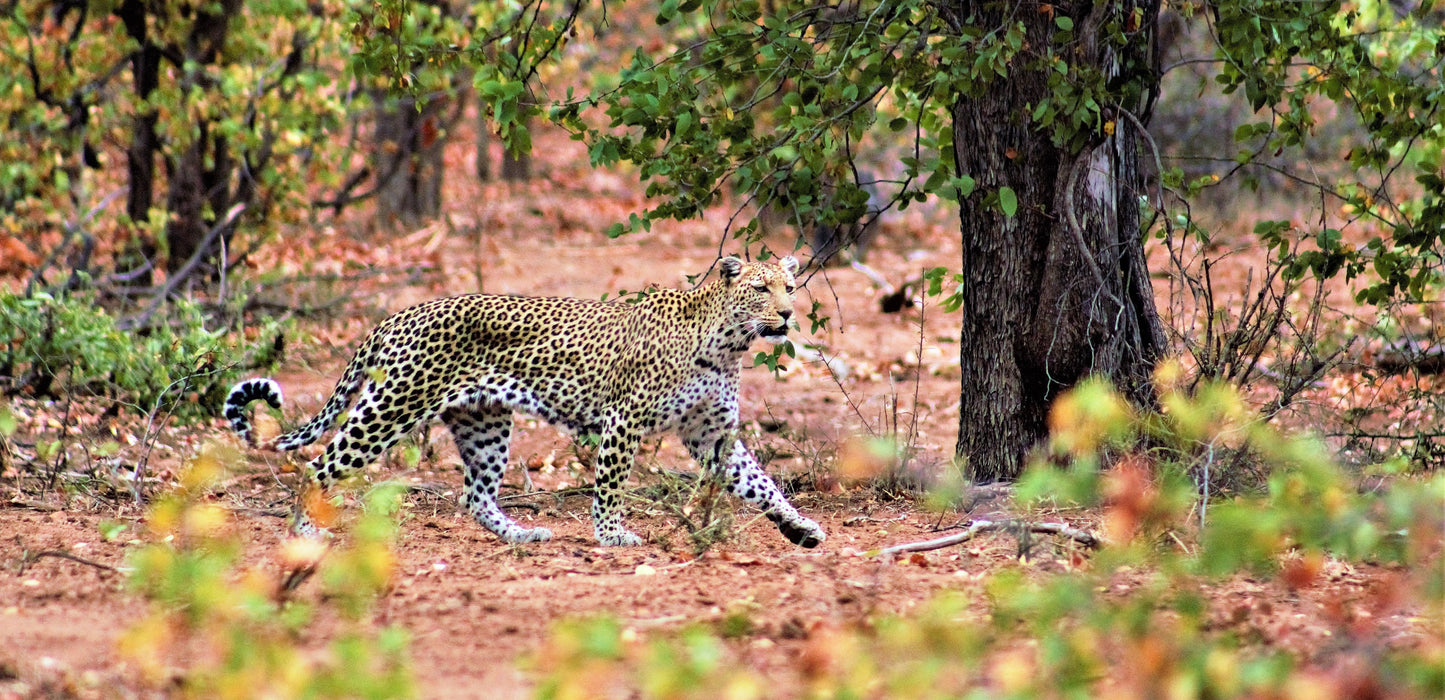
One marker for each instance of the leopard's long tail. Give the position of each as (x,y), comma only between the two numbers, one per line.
(241,396)
(268,390)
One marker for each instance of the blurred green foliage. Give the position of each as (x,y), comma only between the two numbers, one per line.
(1136,621)
(113,97)
(227,625)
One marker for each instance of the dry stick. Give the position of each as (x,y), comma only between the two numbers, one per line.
(559,493)
(65,555)
(1088,539)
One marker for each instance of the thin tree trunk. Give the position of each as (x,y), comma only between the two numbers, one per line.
(484,144)
(193,186)
(409,163)
(1038,315)
(141,152)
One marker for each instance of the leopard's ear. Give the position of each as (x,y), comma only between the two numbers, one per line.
(789,265)
(731,267)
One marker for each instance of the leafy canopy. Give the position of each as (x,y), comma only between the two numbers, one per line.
(777,100)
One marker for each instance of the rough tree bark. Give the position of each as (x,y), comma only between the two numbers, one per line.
(1048,302)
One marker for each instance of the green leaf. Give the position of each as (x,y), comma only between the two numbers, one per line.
(1064,23)
(111,529)
(1008,201)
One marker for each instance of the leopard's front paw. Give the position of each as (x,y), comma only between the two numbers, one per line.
(619,538)
(802,532)
(305,529)
(524,535)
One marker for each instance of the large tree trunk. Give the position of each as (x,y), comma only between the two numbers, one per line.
(1037,316)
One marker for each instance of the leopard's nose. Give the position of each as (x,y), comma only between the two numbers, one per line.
(785,314)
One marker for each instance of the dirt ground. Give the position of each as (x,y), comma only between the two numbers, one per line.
(476,607)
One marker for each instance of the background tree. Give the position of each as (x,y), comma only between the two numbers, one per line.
(410,128)
(215,110)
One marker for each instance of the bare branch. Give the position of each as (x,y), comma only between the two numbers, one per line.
(66,555)
(977,527)
(174,280)
(1085,253)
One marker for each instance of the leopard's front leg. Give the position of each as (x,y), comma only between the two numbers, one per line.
(614,462)
(718,449)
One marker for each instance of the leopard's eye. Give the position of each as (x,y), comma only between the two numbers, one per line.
(761,288)
(788,289)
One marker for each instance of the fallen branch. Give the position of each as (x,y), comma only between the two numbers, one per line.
(66,555)
(264,512)
(864,519)
(976,527)
(174,280)
(32,504)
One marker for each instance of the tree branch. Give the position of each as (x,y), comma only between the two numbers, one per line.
(174,280)
(1085,253)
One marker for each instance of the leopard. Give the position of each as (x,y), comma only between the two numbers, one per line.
(667,360)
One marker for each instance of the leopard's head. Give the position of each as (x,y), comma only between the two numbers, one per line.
(760,296)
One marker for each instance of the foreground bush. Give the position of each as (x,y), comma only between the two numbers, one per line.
(220,628)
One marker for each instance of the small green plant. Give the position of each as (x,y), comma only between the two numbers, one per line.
(231,622)
(698,504)
(68,345)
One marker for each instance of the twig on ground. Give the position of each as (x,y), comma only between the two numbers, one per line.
(861,519)
(976,527)
(33,504)
(435,488)
(559,493)
(66,555)
(266,512)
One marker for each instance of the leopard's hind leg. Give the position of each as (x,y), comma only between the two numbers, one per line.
(482,434)
(367,433)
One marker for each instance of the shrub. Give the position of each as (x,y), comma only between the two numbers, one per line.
(68,345)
